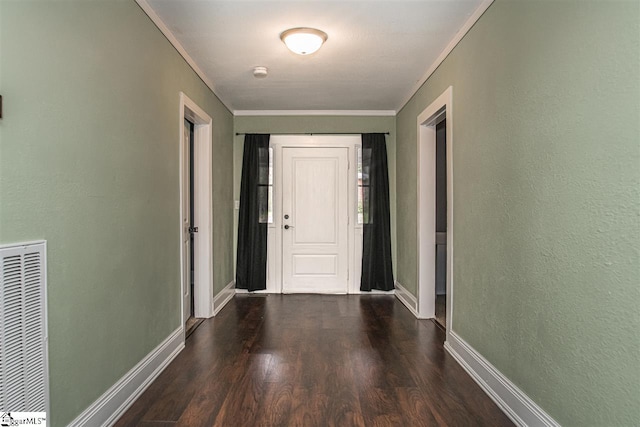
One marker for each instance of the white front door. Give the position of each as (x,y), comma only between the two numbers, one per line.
(315,220)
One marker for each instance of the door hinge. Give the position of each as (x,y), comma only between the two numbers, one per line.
(193,229)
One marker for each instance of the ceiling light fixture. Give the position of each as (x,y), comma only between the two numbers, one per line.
(303,41)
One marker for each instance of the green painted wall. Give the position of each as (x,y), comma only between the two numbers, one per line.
(546,154)
(327,124)
(89,162)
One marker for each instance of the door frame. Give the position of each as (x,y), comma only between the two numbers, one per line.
(203,208)
(426,250)
(274,236)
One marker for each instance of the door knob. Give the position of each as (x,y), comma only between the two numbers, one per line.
(286,227)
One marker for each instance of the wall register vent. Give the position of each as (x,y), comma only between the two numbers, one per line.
(23,328)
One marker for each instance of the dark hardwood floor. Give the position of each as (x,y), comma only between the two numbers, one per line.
(312,360)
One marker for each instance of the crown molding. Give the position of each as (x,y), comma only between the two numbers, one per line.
(146,7)
(314,113)
(447,50)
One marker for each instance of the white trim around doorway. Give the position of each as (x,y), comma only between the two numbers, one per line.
(441,107)
(203,205)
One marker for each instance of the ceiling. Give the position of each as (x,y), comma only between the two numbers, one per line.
(376,56)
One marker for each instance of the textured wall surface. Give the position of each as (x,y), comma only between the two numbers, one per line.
(328,124)
(546,154)
(89,162)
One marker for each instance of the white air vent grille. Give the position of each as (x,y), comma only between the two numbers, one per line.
(23,335)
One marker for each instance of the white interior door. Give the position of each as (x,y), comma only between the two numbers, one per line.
(315,220)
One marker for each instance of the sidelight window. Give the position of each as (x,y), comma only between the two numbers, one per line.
(363,187)
(265,184)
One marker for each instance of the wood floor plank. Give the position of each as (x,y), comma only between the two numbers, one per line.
(173,402)
(309,408)
(245,395)
(205,405)
(417,411)
(156,424)
(380,407)
(314,360)
(276,406)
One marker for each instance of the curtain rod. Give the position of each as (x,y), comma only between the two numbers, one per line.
(315,133)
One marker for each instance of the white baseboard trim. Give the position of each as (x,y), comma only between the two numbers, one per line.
(114,402)
(223,297)
(405,297)
(514,402)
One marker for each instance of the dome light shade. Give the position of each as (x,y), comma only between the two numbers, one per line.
(303,41)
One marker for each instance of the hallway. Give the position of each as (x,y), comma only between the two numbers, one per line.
(282,360)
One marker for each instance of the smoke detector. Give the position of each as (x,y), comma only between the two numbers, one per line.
(260,72)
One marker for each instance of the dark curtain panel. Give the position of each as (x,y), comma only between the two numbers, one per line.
(377,272)
(251,266)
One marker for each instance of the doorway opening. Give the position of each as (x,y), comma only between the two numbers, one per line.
(441,223)
(192,322)
(196,219)
(435,211)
